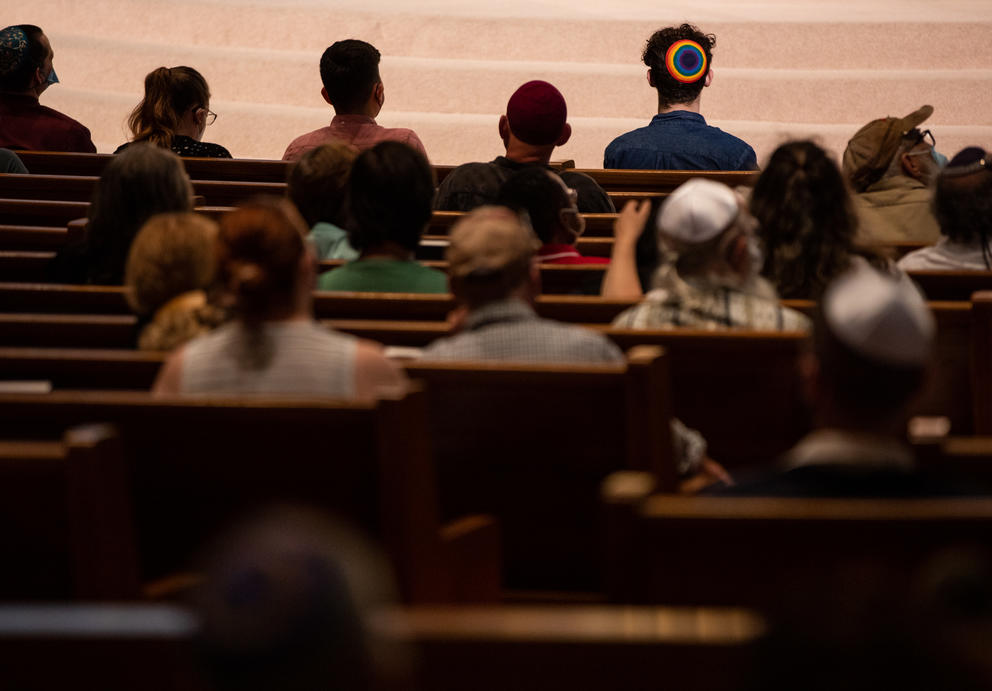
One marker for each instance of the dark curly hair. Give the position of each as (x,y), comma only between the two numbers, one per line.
(670,90)
(962,204)
(349,70)
(807,220)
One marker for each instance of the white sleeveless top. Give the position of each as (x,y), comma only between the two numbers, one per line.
(293,357)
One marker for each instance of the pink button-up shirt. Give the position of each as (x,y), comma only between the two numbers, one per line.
(360,131)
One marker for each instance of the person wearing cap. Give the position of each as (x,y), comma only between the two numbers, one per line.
(551,208)
(349,71)
(25,72)
(679,63)
(963,207)
(891,164)
(534,124)
(710,263)
(494,279)
(872,344)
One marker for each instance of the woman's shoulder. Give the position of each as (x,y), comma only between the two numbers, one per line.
(187,146)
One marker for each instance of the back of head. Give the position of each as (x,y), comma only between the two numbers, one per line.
(807,221)
(535,190)
(21,53)
(536,114)
(873,340)
(695,224)
(870,153)
(349,70)
(679,58)
(963,199)
(172,254)
(490,253)
(318,182)
(391,196)
(170,93)
(260,247)
(282,605)
(138,183)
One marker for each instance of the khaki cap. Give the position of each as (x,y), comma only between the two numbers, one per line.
(489,240)
(871,149)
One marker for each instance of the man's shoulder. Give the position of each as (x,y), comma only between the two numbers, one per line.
(684,143)
(309,140)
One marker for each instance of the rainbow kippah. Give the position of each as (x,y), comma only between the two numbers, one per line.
(686,61)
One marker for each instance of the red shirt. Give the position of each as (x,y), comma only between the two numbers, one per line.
(360,131)
(26,124)
(566,254)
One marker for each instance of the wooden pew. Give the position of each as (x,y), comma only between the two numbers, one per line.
(951,285)
(35,212)
(767,551)
(65,518)
(114,647)
(663,180)
(573,648)
(196,464)
(80,188)
(151,647)
(531,443)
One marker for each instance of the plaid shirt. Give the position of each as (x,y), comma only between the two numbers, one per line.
(510,330)
(710,305)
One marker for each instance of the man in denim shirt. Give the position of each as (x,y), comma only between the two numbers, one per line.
(678,137)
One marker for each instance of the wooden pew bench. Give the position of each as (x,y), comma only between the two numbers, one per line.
(775,551)
(196,464)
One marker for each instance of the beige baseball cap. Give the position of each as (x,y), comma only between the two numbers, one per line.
(870,150)
(489,240)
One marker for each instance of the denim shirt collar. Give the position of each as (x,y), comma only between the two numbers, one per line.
(674,115)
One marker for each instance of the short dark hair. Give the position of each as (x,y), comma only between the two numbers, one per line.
(963,206)
(318,182)
(670,90)
(391,196)
(349,70)
(17,77)
(533,190)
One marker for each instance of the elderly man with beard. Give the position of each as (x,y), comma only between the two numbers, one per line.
(710,261)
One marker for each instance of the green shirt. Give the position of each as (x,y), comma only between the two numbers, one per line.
(331,242)
(384,276)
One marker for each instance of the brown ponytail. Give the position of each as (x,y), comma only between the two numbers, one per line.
(169,94)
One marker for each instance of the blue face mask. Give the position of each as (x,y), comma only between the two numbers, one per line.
(52,78)
(939,158)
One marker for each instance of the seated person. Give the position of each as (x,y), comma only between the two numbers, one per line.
(389,203)
(873,343)
(890,164)
(963,206)
(710,258)
(550,207)
(25,72)
(806,222)
(318,184)
(349,71)
(169,272)
(139,183)
(11,163)
(494,279)
(534,124)
(679,60)
(175,113)
(273,346)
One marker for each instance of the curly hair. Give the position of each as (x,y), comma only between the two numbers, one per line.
(670,90)
(318,183)
(962,204)
(807,220)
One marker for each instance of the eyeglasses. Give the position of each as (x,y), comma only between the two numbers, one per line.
(916,136)
(212,117)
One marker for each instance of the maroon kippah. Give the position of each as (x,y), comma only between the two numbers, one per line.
(536,113)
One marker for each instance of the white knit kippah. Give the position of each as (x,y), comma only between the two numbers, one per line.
(698,211)
(878,316)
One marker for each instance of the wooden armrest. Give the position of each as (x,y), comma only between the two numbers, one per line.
(471,549)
